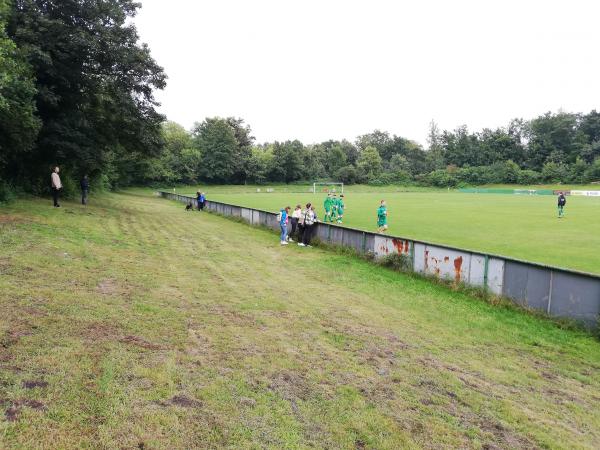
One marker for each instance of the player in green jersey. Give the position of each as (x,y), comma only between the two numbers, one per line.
(334,208)
(382,214)
(340,209)
(327,205)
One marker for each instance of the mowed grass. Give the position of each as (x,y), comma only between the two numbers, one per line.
(522,227)
(135,324)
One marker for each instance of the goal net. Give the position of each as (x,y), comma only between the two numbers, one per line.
(328,187)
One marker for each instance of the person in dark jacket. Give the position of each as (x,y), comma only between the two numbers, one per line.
(562,201)
(85,189)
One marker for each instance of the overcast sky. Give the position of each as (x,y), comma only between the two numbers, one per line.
(332,69)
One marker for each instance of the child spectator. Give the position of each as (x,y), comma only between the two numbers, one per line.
(283,221)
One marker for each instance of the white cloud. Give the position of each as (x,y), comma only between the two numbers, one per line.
(316,70)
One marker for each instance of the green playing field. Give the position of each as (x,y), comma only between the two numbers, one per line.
(524,227)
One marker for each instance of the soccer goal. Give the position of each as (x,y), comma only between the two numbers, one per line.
(328,187)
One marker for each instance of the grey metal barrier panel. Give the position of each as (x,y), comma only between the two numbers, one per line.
(575,296)
(272,221)
(353,239)
(236,211)
(336,235)
(527,285)
(255,217)
(322,231)
(246,214)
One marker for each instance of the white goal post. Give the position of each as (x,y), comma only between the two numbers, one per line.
(330,187)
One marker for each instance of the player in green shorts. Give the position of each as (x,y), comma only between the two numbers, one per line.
(382,217)
(327,204)
(340,209)
(334,208)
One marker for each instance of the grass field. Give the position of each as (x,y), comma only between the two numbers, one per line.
(523,227)
(133,324)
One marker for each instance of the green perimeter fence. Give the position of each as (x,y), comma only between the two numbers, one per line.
(556,291)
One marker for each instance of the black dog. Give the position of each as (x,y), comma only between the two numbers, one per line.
(189,207)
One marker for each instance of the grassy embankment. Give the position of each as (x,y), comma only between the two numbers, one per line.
(133,324)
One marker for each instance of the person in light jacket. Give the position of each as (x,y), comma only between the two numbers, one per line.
(295,220)
(309,223)
(56,186)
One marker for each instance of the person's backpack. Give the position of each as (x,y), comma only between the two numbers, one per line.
(279,216)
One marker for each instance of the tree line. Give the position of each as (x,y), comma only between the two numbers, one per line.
(553,148)
(77,90)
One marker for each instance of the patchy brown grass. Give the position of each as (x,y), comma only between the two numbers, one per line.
(131,324)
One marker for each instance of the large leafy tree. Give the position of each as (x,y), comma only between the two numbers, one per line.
(369,165)
(94,83)
(226,149)
(287,161)
(215,138)
(18,123)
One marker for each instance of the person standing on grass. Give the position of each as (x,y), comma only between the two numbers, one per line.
(334,208)
(327,207)
(309,222)
(85,189)
(562,201)
(382,214)
(56,186)
(283,222)
(295,220)
(340,209)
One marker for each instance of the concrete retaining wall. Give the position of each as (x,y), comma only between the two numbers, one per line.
(558,292)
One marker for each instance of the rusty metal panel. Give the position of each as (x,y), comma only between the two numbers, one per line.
(527,285)
(385,245)
(575,296)
(446,263)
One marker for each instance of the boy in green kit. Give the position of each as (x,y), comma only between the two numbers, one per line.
(340,209)
(382,214)
(334,208)
(327,204)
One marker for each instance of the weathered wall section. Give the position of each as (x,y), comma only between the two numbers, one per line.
(556,291)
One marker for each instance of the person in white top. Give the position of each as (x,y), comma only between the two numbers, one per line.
(56,186)
(296,215)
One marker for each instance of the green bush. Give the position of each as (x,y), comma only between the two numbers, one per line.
(7,192)
(397,261)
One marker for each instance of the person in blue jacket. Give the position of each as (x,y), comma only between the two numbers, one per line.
(201,199)
(283,221)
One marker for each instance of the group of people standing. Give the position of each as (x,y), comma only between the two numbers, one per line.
(302,222)
(56,186)
(334,208)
